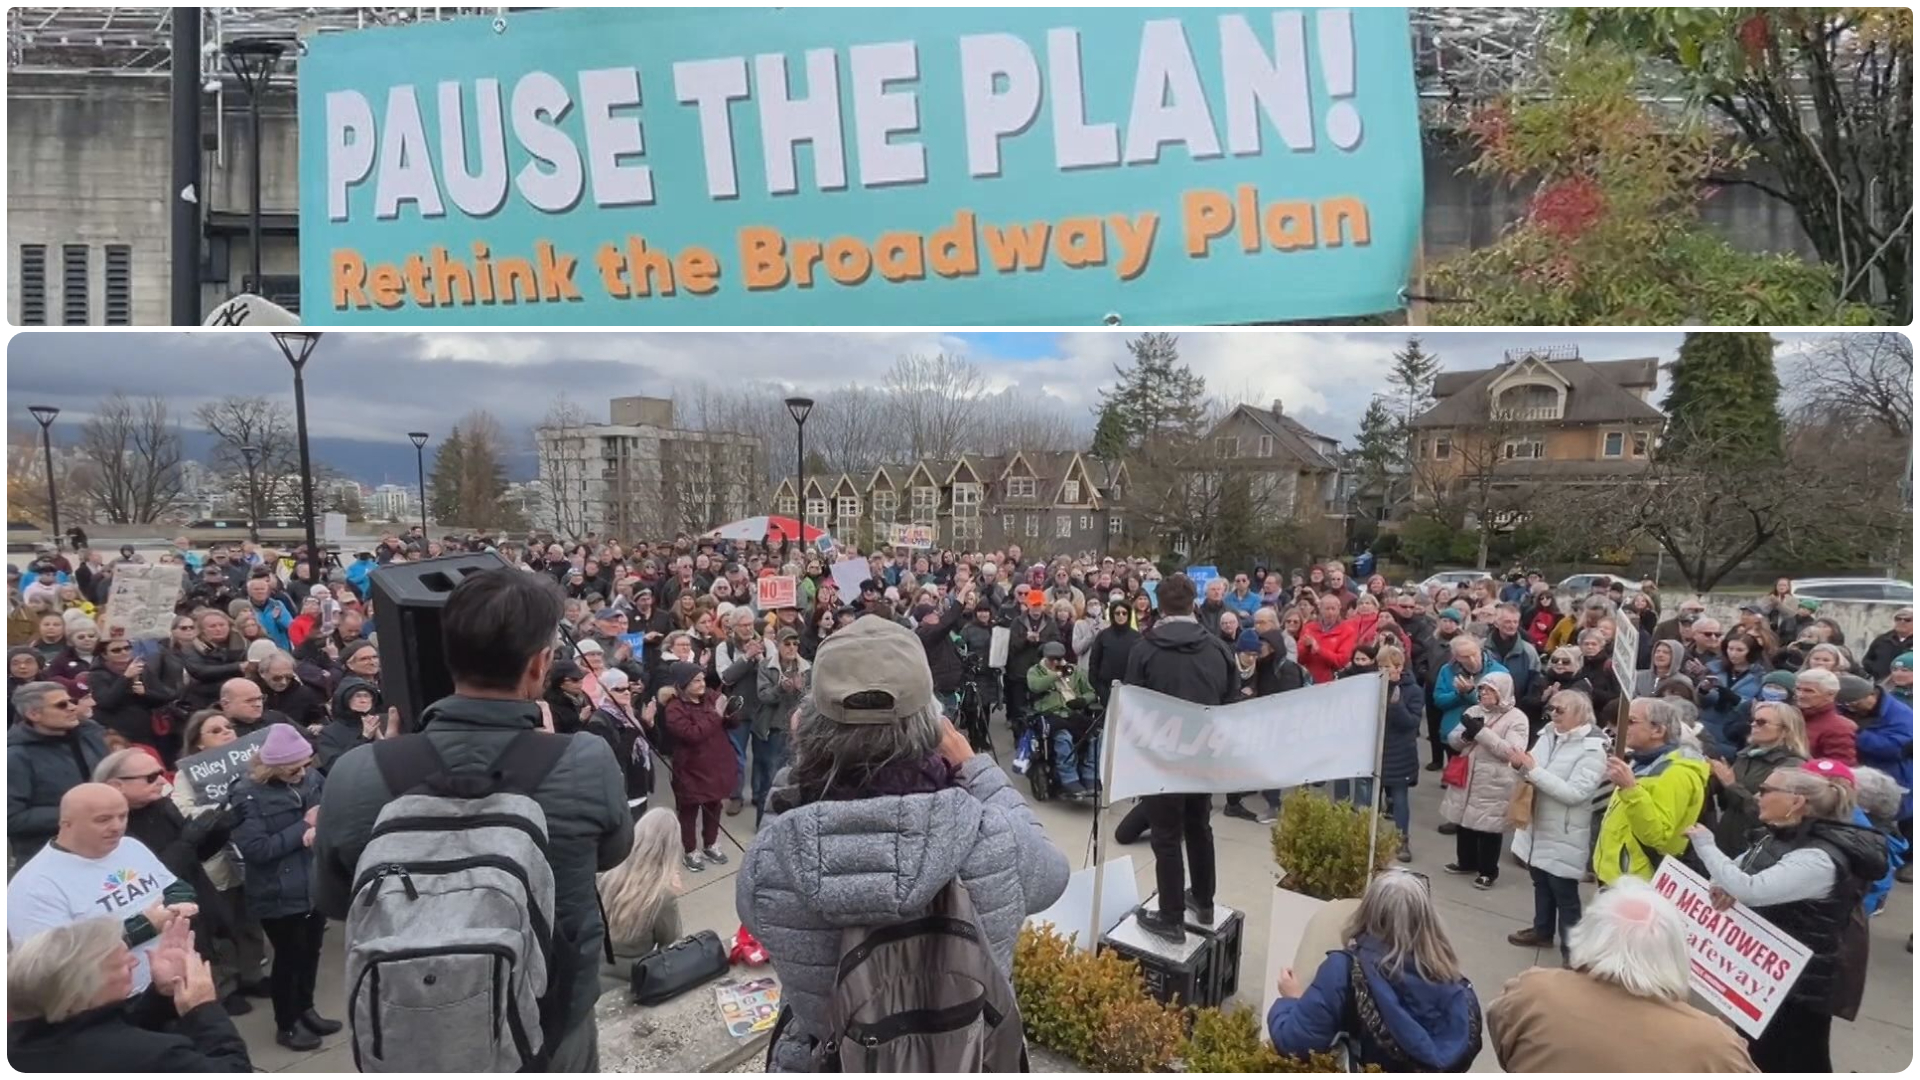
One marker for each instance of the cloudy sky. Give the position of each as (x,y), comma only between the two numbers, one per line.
(371,387)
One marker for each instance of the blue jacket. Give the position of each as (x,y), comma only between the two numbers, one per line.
(1429,1027)
(358,575)
(1876,897)
(1246,606)
(1726,710)
(272,818)
(1453,704)
(275,619)
(1885,742)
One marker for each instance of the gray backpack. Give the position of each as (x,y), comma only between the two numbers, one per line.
(450,936)
(922,996)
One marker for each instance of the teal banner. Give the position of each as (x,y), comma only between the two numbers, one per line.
(899,166)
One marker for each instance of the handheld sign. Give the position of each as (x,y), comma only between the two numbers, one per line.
(211,774)
(1741,963)
(1626,648)
(1201,575)
(778,592)
(910,536)
(848,573)
(636,642)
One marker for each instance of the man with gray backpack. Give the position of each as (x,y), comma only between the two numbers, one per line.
(463,858)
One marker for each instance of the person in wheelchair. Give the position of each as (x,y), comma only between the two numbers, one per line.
(1063,701)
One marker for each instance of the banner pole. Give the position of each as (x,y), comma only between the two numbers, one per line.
(1379,758)
(1099,818)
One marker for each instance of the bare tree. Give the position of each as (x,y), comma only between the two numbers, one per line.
(936,403)
(238,421)
(1859,374)
(560,448)
(849,428)
(26,482)
(133,449)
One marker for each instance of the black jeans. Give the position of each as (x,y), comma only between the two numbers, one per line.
(1556,900)
(296,943)
(1478,851)
(1173,819)
(1798,1040)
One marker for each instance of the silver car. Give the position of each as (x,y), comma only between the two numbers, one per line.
(1857,590)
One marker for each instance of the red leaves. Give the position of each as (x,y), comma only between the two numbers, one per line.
(1756,38)
(1567,208)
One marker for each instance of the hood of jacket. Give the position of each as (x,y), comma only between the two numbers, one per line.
(862,862)
(1432,1023)
(346,688)
(1179,635)
(1865,848)
(1502,684)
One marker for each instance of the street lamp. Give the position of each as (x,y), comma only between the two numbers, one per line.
(799,408)
(298,345)
(420,458)
(252,61)
(45,414)
(252,454)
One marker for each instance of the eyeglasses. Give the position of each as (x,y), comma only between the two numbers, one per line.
(1769,789)
(119,648)
(62,705)
(143,778)
(619,689)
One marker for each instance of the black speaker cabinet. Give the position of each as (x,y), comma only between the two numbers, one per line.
(407,598)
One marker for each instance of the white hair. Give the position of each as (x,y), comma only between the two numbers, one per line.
(1632,937)
(109,766)
(1818,678)
(59,973)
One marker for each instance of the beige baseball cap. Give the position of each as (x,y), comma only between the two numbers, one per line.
(873,672)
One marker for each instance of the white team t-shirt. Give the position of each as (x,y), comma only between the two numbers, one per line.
(57,888)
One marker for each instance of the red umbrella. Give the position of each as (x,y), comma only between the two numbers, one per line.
(758,529)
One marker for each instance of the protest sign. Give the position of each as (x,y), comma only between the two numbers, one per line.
(334,531)
(848,573)
(778,592)
(960,166)
(636,642)
(910,536)
(1741,963)
(998,644)
(1163,745)
(824,544)
(1201,575)
(210,774)
(141,600)
(1626,648)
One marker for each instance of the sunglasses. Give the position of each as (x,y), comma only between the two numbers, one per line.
(1769,789)
(142,778)
(119,648)
(62,705)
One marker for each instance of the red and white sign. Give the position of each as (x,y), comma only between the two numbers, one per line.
(910,536)
(779,592)
(1742,964)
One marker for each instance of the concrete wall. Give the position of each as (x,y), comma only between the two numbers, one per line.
(1860,622)
(89,163)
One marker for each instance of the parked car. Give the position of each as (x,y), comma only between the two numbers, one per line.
(1451,578)
(1858,590)
(1581,584)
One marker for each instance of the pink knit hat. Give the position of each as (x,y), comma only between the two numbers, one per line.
(284,746)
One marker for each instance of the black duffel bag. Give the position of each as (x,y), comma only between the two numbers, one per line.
(672,970)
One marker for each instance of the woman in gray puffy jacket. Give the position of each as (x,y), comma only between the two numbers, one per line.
(883,805)
(1567,768)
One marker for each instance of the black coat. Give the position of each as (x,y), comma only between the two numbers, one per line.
(1185,660)
(1022,653)
(1833,928)
(1106,661)
(943,659)
(207,671)
(270,821)
(1879,659)
(182,844)
(117,708)
(142,1035)
(40,769)
(630,749)
(299,702)
(1400,755)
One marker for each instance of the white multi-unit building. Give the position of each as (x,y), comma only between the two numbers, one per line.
(640,477)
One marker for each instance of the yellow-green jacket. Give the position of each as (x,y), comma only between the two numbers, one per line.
(1654,814)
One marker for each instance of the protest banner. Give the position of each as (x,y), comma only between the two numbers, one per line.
(961,165)
(778,592)
(910,536)
(1741,963)
(848,573)
(334,531)
(210,774)
(140,601)
(1162,745)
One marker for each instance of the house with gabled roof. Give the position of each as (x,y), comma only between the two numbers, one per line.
(1541,414)
(1294,470)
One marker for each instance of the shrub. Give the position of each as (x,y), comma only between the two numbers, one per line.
(1137,1035)
(1322,846)
(1066,995)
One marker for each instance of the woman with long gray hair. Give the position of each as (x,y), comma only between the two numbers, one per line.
(883,806)
(638,896)
(1407,1009)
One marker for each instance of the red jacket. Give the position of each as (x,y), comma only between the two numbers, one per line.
(704,769)
(1830,735)
(1540,626)
(1335,648)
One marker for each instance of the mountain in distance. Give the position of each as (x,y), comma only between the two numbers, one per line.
(372,462)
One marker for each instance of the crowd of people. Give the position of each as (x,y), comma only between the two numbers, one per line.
(1769,756)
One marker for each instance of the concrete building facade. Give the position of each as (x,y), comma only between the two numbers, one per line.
(639,476)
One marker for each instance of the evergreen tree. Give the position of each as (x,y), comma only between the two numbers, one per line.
(444,488)
(1411,378)
(1109,433)
(1381,449)
(1159,402)
(1724,403)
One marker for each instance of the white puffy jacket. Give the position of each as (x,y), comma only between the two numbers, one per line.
(1568,771)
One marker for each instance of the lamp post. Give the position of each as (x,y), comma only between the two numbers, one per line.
(420,458)
(298,346)
(252,60)
(799,408)
(252,454)
(45,415)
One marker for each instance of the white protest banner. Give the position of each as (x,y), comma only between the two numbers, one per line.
(334,531)
(910,536)
(1072,914)
(1167,746)
(1626,648)
(778,592)
(848,573)
(1741,963)
(141,600)
(212,772)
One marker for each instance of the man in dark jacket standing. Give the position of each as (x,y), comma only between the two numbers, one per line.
(1181,658)
(935,627)
(49,752)
(497,634)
